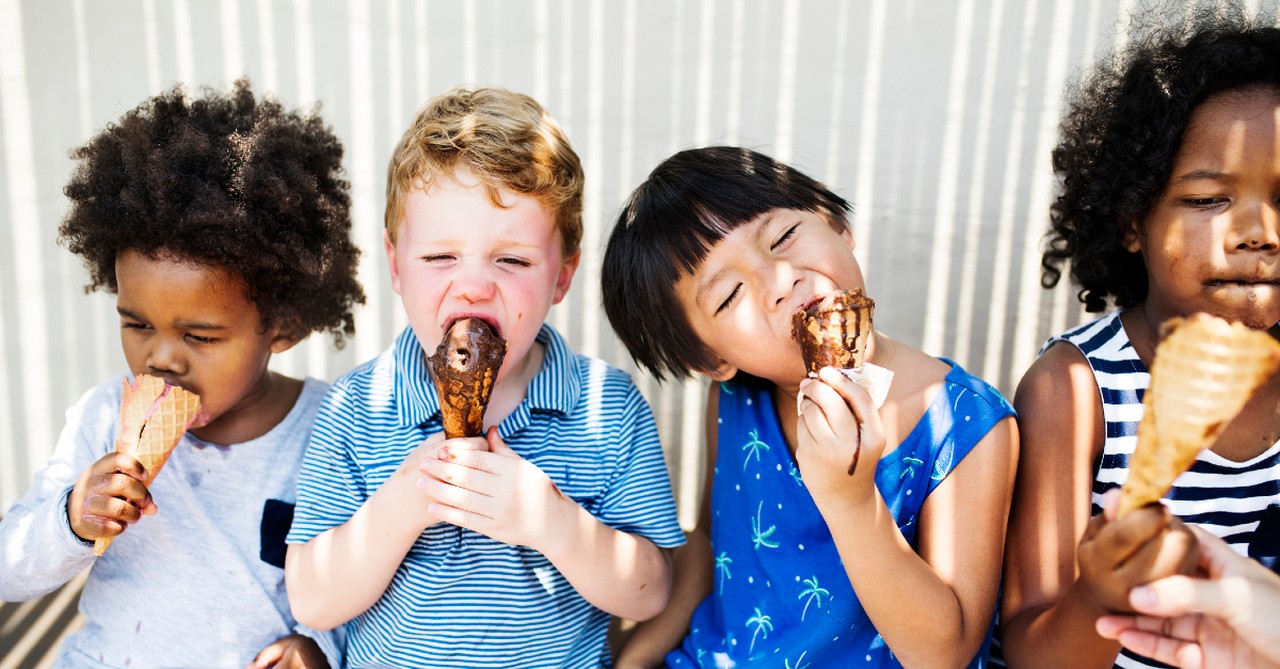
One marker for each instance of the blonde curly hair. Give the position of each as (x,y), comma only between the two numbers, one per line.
(505,139)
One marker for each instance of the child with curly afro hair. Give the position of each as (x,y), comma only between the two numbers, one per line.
(1169,205)
(221,223)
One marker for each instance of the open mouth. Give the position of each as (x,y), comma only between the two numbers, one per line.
(488,320)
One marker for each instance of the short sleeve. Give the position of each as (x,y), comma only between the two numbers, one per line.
(330,484)
(638,499)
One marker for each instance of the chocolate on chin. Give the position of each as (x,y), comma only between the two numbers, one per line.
(464,367)
(833,331)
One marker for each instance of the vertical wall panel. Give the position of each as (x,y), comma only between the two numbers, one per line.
(935,120)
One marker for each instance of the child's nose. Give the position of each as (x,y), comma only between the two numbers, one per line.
(1260,230)
(784,281)
(165,358)
(474,285)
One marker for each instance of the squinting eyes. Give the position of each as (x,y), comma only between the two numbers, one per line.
(785,236)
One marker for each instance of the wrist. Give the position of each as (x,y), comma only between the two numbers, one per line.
(567,524)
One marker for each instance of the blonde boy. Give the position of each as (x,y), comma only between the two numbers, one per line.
(508,550)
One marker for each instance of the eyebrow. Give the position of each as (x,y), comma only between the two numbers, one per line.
(183,324)
(1200,175)
(701,295)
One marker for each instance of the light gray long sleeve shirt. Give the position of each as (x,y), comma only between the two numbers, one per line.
(199,584)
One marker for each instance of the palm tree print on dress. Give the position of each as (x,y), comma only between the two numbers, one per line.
(795,474)
(761,623)
(812,592)
(762,538)
(800,663)
(909,467)
(753,447)
(722,568)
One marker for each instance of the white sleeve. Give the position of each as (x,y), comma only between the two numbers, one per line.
(38,550)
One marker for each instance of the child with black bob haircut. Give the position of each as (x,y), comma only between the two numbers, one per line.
(797,560)
(1169,205)
(221,224)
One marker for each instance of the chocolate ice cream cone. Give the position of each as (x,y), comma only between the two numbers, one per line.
(834,331)
(464,367)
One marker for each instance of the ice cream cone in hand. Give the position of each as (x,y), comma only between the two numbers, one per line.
(464,367)
(1204,371)
(153,417)
(833,330)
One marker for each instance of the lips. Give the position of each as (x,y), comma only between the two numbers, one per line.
(493,322)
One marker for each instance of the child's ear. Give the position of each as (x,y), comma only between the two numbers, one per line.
(565,277)
(723,371)
(846,233)
(1132,238)
(285,336)
(390,247)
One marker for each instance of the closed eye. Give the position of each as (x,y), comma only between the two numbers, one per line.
(436,257)
(1203,202)
(517,262)
(785,236)
(729,300)
(130,325)
(201,340)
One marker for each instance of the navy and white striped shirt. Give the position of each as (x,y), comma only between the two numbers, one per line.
(1238,501)
(459,598)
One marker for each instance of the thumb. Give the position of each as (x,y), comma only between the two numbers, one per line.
(496,444)
(1178,595)
(268,657)
(1215,555)
(1111,503)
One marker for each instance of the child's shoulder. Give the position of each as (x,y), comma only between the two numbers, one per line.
(574,366)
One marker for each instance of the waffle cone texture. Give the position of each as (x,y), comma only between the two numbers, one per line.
(153,418)
(1205,370)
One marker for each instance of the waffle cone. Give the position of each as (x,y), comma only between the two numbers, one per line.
(1204,371)
(153,418)
(834,331)
(464,367)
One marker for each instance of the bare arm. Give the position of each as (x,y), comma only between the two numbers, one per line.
(1066,569)
(1047,620)
(933,608)
(342,572)
(652,640)
(507,498)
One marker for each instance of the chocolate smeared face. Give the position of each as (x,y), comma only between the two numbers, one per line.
(464,367)
(833,330)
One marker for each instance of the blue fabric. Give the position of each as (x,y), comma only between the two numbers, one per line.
(459,598)
(781,596)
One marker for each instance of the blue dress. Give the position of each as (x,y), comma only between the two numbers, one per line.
(781,597)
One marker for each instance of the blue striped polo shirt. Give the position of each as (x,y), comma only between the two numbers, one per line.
(1237,501)
(459,598)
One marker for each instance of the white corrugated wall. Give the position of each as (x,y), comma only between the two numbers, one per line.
(934,118)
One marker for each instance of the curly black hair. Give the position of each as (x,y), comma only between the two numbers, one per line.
(1120,135)
(230,181)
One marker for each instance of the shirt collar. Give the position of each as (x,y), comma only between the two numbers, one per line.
(555,388)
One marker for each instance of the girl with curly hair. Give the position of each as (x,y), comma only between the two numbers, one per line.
(1169,205)
(222,226)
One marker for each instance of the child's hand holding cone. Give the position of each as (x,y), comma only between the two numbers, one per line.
(112,493)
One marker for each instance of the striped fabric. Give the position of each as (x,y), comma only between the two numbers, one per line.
(461,599)
(1238,501)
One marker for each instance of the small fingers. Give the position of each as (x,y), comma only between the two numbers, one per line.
(455,516)
(459,475)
